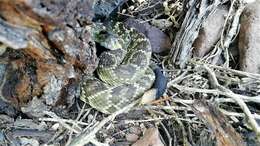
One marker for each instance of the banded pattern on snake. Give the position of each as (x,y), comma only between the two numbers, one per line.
(123,71)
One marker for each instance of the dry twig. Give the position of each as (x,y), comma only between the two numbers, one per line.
(236,97)
(86,136)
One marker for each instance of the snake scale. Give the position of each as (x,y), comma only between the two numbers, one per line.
(124,71)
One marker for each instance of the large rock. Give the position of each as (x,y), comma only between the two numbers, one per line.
(35,12)
(210,32)
(249,38)
(49,49)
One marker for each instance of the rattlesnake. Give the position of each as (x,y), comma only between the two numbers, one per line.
(123,71)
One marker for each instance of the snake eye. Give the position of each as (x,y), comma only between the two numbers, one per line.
(103,32)
(102,35)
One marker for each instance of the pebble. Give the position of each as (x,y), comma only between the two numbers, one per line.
(131,137)
(135,130)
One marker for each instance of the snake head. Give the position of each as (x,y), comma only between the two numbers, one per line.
(105,37)
(111,42)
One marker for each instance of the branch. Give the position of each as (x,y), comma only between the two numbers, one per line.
(86,137)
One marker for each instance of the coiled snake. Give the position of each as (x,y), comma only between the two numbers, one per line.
(123,71)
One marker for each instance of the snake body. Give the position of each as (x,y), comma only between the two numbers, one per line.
(123,71)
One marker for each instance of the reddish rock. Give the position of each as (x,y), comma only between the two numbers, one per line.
(12,12)
(249,38)
(17,82)
(75,45)
(47,58)
(33,13)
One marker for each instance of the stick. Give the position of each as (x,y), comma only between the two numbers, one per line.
(238,99)
(87,136)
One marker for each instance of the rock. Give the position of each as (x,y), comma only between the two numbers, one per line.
(131,137)
(7,108)
(35,108)
(32,13)
(49,49)
(135,130)
(6,120)
(160,42)
(74,44)
(17,80)
(28,141)
(25,78)
(104,8)
(249,39)
(210,32)
(16,37)
(148,96)
(52,81)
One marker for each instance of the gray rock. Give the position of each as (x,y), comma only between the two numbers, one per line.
(210,32)
(35,108)
(131,137)
(105,8)
(249,39)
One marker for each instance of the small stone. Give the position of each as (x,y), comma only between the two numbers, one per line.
(28,141)
(148,96)
(140,1)
(35,108)
(135,130)
(55,126)
(109,140)
(90,118)
(132,137)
